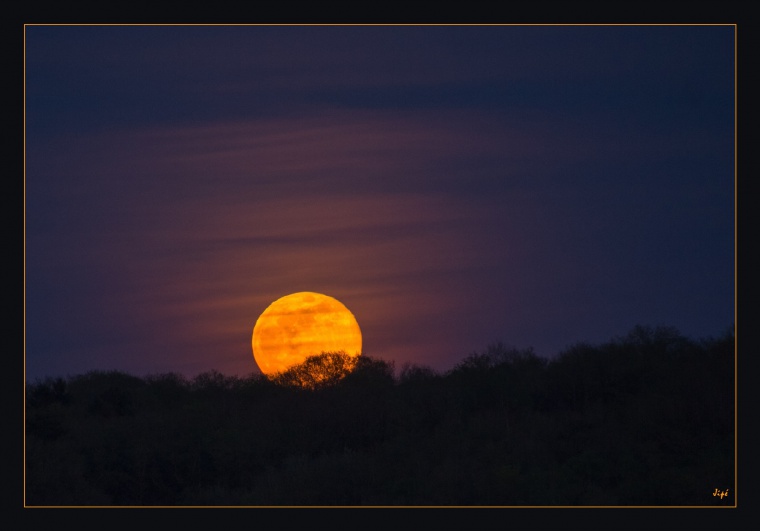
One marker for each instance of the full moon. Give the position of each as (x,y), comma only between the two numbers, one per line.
(300,325)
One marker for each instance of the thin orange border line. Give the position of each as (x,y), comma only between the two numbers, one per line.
(336,24)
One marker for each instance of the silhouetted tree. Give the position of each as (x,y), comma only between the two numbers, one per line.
(646,418)
(47,391)
(411,373)
(317,372)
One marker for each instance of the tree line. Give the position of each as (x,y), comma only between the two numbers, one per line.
(643,419)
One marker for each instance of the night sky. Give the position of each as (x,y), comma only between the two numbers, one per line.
(453,186)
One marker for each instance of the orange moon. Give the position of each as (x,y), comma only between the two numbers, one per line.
(300,325)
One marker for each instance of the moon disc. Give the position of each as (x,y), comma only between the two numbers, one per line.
(300,325)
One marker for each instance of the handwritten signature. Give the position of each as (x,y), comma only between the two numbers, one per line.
(720,493)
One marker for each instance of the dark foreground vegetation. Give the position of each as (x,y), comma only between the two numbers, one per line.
(646,419)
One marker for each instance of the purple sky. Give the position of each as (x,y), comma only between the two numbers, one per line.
(453,186)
